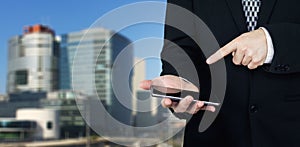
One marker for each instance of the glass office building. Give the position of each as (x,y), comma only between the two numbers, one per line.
(96,49)
(100,50)
(32,60)
(17,130)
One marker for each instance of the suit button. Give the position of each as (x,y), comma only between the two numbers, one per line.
(286,67)
(282,68)
(278,67)
(253,109)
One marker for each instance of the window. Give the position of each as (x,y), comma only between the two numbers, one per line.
(40,63)
(21,77)
(22,51)
(49,125)
(43,45)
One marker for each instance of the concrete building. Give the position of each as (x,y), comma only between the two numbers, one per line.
(149,112)
(29,125)
(47,122)
(32,60)
(68,103)
(139,74)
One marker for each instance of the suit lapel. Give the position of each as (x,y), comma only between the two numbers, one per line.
(265,11)
(237,12)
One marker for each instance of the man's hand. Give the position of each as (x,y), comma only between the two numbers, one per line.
(185,105)
(249,49)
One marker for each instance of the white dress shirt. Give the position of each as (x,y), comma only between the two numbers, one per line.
(270,46)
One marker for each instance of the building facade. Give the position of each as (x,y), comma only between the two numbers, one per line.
(86,62)
(32,60)
(93,52)
(47,126)
(139,74)
(69,104)
(16,130)
(30,124)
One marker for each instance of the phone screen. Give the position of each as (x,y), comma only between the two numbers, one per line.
(172,93)
(176,94)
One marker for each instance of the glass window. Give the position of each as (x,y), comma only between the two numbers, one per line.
(21,77)
(49,125)
(22,51)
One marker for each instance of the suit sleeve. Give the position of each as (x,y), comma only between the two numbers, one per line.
(180,50)
(285,37)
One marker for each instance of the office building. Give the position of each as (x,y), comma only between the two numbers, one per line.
(30,124)
(27,96)
(32,60)
(139,74)
(144,117)
(148,110)
(69,104)
(96,50)
(3,98)
(9,108)
(12,129)
(47,126)
(92,53)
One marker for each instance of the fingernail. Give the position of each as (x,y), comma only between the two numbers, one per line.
(166,102)
(208,61)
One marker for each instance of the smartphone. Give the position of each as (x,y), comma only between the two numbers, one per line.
(176,94)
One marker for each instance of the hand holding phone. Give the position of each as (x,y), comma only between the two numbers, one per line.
(173,88)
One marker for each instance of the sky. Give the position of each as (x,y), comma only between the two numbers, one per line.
(68,16)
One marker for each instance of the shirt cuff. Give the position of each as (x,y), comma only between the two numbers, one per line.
(270,46)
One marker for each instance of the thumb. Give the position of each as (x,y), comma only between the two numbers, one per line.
(145,84)
(166,103)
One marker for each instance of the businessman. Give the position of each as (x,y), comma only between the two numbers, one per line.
(260,45)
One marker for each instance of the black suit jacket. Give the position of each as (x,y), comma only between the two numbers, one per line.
(262,106)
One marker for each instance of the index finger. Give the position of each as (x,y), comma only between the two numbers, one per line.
(222,52)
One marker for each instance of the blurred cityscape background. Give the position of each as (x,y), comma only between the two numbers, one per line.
(38,104)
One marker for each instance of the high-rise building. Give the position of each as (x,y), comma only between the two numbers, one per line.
(139,75)
(32,60)
(92,53)
(96,54)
